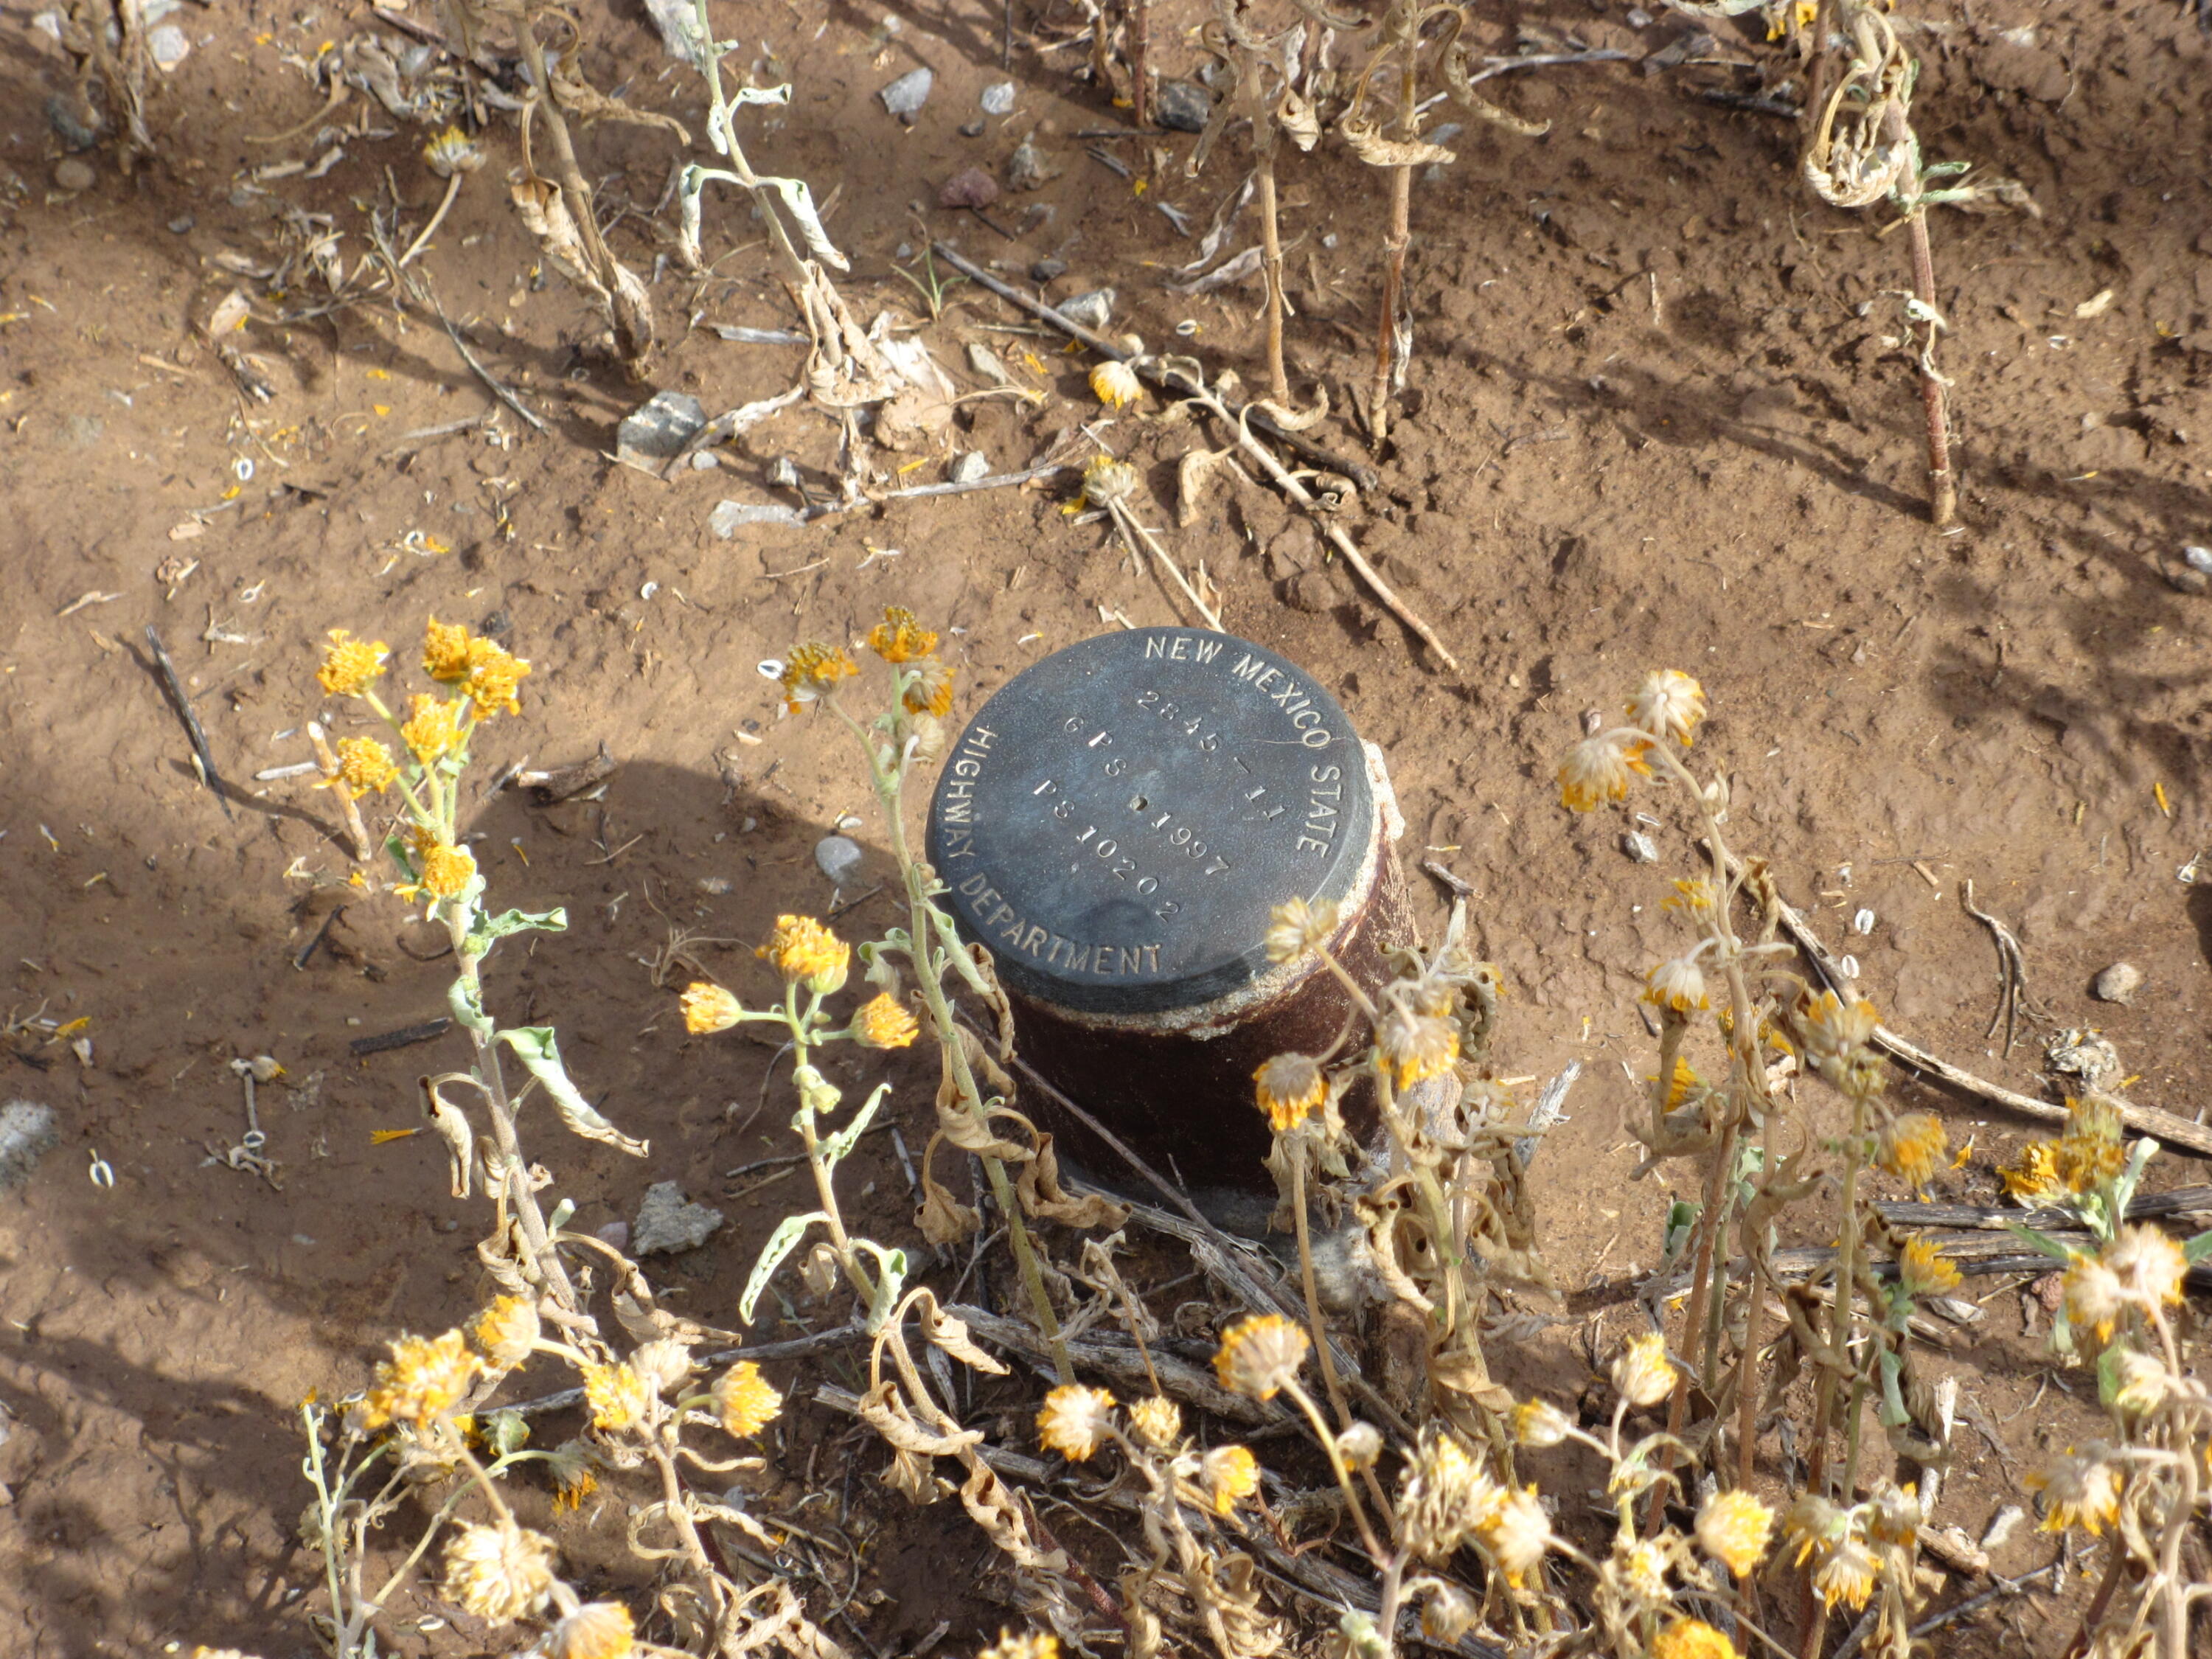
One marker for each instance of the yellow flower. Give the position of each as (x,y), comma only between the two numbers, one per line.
(930,691)
(1447,1495)
(1076,1420)
(364,766)
(1668,703)
(806,953)
(1685,1083)
(425,1376)
(598,1630)
(1037,1645)
(1836,1034)
(1643,1568)
(1812,1523)
(2036,1173)
(1734,1529)
(1845,1574)
(744,1401)
(899,637)
(1518,1532)
(1230,1475)
(445,651)
(1291,1088)
(446,870)
(500,1572)
(1894,1514)
(506,1332)
(2079,1490)
(1694,895)
(1642,1371)
(1691,1638)
(1912,1147)
(883,1022)
(349,664)
(1410,1047)
(1116,385)
(1678,984)
(1922,1269)
(617,1396)
(573,1479)
(1597,770)
(2089,1153)
(813,669)
(708,1008)
(1106,481)
(1260,1355)
(1539,1424)
(432,728)
(1157,1421)
(1295,928)
(2141,1381)
(494,676)
(452,151)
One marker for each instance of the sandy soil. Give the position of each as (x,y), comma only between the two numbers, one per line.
(1653,420)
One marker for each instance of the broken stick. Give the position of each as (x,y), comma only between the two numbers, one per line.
(167,671)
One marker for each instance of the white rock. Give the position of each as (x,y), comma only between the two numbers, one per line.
(2119,983)
(26,1134)
(668,1224)
(972,467)
(838,857)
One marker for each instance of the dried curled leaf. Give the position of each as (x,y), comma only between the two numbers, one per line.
(1372,148)
(943,1218)
(1193,473)
(998,1509)
(453,1126)
(946,1332)
(1042,1196)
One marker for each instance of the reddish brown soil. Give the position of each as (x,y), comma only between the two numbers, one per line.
(1651,421)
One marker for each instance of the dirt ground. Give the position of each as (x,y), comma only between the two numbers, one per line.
(1655,417)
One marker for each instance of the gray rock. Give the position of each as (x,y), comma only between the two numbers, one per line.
(2119,983)
(75,175)
(905,96)
(998,98)
(1182,107)
(168,46)
(75,122)
(972,468)
(26,1134)
(668,1223)
(1048,270)
(838,857)
(729,517)
(183,227)
(1093,310)
(1028,169)
(985,361)
(657,428)
(2198,559)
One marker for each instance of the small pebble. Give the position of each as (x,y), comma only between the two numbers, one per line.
(971,187)
(998,98)
(838,857)
(1862,923)
(985,361)
(1182,107)
(181,227)
(1027,167)
(1093,310)
(168,46)
(972,467)
(2119,983)
(75,175)
(905,96)
(1048,270)
(971,129)
(1638,846)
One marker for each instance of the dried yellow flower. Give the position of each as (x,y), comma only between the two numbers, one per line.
(1922,1269)
(1447,1614)
(575,1479)
(445,651)
(1734,1529)
(432,728)
(1678,984)
(1895,1514)
(2079,1490)
(2150,1267)
(494,674)
(708,1008)
(598,1630)
(1157,1422)
(806,953)
(1410,1047)
(813,669)
(1668,703)
(1116,385)
(930,689)
(1912,1147)
(1539,1424)
(349,664)
(1518,1531)
(1691,1638)
(883,1022)
(1260,1355)
(1596,770)
(745,1401)
(1037,1645)
(507,1332)
(1642,1371)
(2036,1173)
(1846,1574)
(1106,481)
(454,151)
(1076,1420)
(899,637)
(1230,1475)
(1694,897)
(425,1376)
(500,1572)
(2089,1154)
(1291,1089)
(618,1396)
(364,766)
(1447,1495)
(1297,927)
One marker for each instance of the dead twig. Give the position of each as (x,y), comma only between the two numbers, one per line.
(2013,999)
(203,756)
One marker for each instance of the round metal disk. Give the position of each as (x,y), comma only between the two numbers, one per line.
(1116,824)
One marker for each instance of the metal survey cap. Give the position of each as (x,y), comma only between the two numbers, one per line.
(1117,821)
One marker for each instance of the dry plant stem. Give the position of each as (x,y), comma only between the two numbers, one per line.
(567,171)
(1746,1405)
(362,847)
(453,189)
(1401,233)
(1133,533)
(1271,267)
(1140,41)
(848,1258)
(1333,1382)
(1942,483)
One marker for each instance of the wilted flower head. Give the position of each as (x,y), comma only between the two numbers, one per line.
(1643,1569)
(1157,1422)
(1734,1527)
(1642,1371)
(1031,1645)
(744,1399)
(665,1363)
(2036,1173)
(1360,1445)
(1447,1495)
(1922,1269)
(1811,1522)
(883,1022)
(1668,703)
(1691,1638)
(506,1332)
(349,664)
(899,637)
(2079,1490)
(364,766)
(1912,1147)
(1290,1088)
(500,1572)
(2149,1266)
(1845,1573)
(1895,1514)
(425,1376)
(2089,1153)
(1518,1531)
(1230,1474)
(2141,1381)
(1297,927)
(574,1477)
(1678,984)
(452,151)
(1694,895)
(1106,481)
(1447,1614)
(432,728)
(929,691)
(812,669)
(1076,1420)
(1539,1424)
(1116,385)
(618,1396)
(708,1008)
(1261,1354)
(1410,1047)
(598,1630)
(1835,1035)
(1596,770)
(806,953)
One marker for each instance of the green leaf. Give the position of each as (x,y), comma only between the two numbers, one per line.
(780,1243)
(508,1431)
(489,929)
(536,1048)
(467,1003)
(1893,1413)
(2108,1373)
(845,1138)
(2043,1242)
(891,1280)
(2196,1249)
